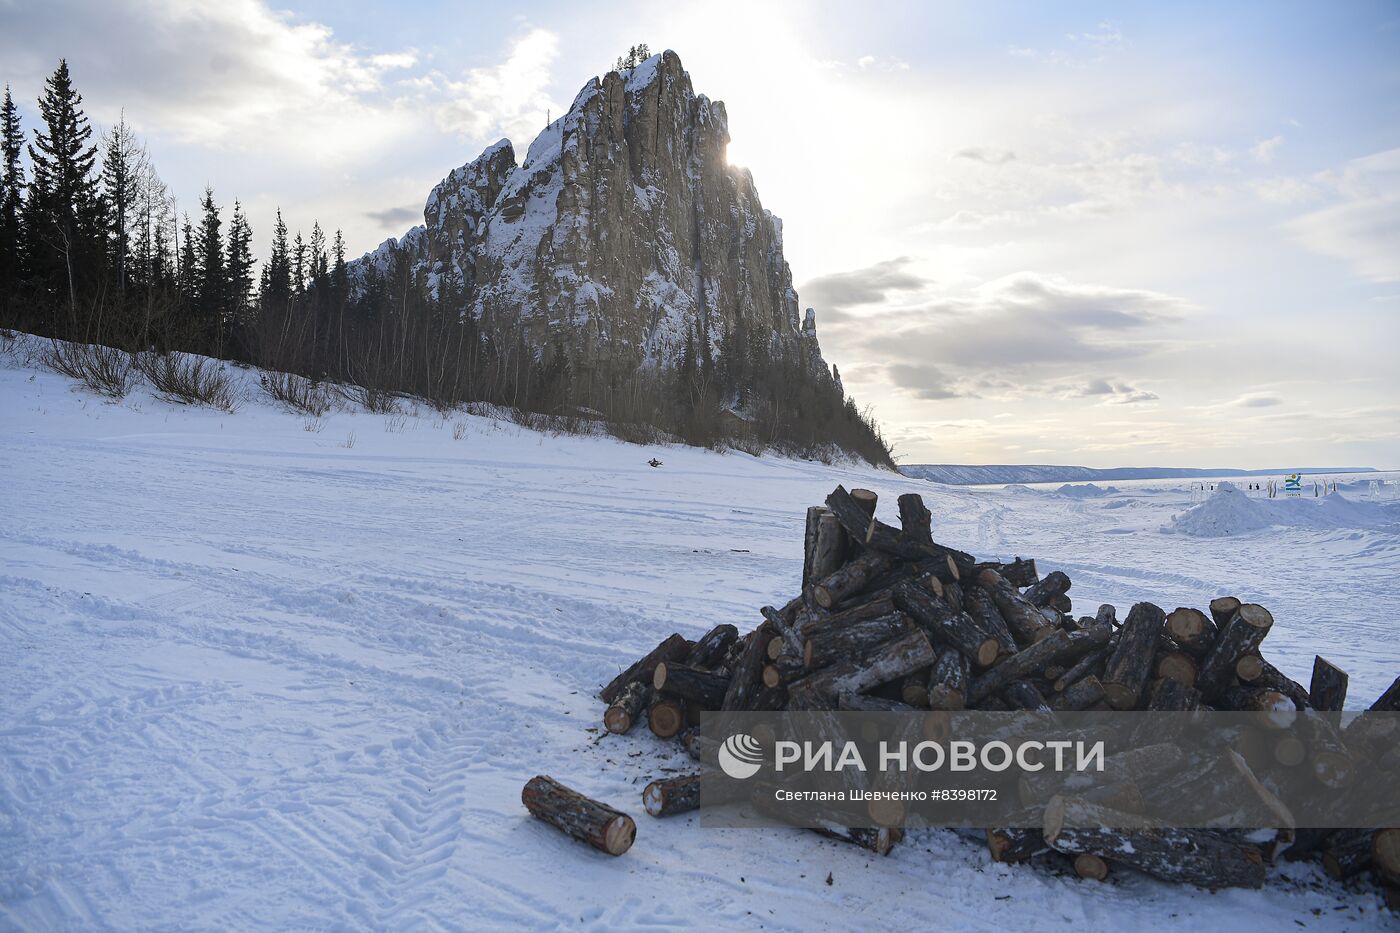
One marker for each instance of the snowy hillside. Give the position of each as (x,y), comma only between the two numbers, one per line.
(990,474)
(268,671)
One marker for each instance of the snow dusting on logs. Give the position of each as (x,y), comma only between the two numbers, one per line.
(888,619)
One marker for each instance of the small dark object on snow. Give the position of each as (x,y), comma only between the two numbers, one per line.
(653,462)
(828,879)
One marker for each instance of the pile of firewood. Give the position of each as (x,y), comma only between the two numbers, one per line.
(888,619)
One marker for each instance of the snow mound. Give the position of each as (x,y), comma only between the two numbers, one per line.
(1231,512)
(1084,491)
(1228,512)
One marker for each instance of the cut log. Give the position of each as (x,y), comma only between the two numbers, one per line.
(1223,609)
(1052,586)
(1275,711)
(809,544)
(915,520)
(1328,691)
(597,824)
(1128,666)
(1090,867)
(1178,665)
(1091,663)
(1196,857)
(680,794)
(875,535)
(863,703)
(831,548)
(624,712)
(1172,696)
(1079,695)
(1018,572)
(914,690)
(783,623)
(1275,679)
(1019,666)
(1348,853)
(783,670)
(1190,629)
(1107,614)
(747,681)
(700,689)
(674,648)
(948,679)
(1023,619)
(979,604)
(1240,635)
(850,578)
(887,662)
(1388,701)
(1249,667)
(811,623)
(1021,694)
(1015,843)
(830,644)
(944,625)
(710,650)
(866,499)
(666,718)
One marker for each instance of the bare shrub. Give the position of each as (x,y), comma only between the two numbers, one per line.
(459,430)
(297,392)
(313,425)
(105,370)
(395,423)
(375,401)
(188,380)
(349,442)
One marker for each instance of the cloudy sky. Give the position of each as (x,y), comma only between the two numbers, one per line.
(1103,234)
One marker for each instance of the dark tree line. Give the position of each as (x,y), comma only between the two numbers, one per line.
(93,250)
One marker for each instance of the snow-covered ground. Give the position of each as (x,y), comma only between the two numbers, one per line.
(252,675)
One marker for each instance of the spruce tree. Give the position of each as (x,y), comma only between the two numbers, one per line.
(299,266)
(277,288)
(124,162)
(63,211)
(211,286)
(240,266)
(11,196)
(187,272)
(339,273)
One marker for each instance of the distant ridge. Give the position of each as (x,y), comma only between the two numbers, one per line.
(957,475)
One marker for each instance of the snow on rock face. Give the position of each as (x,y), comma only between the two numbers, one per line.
(624,225)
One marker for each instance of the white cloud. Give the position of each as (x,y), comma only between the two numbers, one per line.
(507,99)
(1264,150)
(1363,226)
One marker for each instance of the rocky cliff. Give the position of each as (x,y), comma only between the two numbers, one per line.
(623,232)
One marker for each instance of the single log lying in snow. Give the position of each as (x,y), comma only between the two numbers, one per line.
(1240,635)
(674,648)
(944,625)
(1328,691)
(624,711)
(1195,857)
(1023,619)
(1127,669)
(1090,867)
(597,824)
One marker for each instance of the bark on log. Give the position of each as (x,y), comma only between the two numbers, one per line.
(937,618)
(1172,696)
(1275,710)
(1021,665)
(830,644)
(830,548)
(1079,695)
(674,648)
(887,662)
(915,519)
(1388,701)
(1052,586)
(866,499)
(681,794)
(1021,694)
(875,535)
(1106,614)
(1240,635)
(1091,663)
(1275,679)
(700,689)
(1190,629)
(914,690)
(809,543)
(864,703)
(1128,667)
(1223,609)
(849,579)
(624,712)
(1348,853)
(1017,572)
(1195,857)
(979,604)
(597,824)
(783,670)
(1023,619)
(1328,690)
(783,622)
(948,679)
(710,649)
(1015,843)
(666,718)
(811,623)
(746,681)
